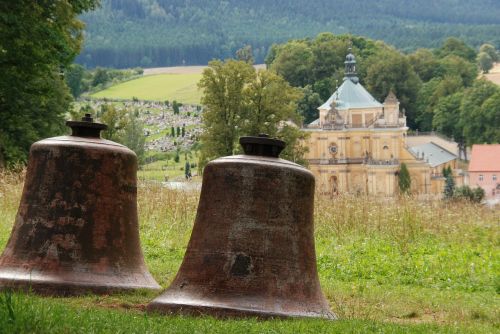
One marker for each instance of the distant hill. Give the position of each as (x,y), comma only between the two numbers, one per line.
(128,33)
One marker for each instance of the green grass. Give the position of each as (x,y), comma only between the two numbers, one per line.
(174,171)
(398,267)
(180,87)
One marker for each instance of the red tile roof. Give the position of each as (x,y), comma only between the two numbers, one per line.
(485,158)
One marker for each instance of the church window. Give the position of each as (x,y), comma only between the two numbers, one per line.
(386,147)
(480,177)
(494,177)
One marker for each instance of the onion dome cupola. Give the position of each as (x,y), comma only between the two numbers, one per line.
(350,67)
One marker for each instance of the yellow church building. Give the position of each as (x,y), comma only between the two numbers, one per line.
(357,145)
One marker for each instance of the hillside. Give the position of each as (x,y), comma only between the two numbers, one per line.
(159,87)
(150,33)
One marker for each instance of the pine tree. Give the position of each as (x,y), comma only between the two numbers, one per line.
(178,131)
(172,131)
(175,106)
(404,179)
(449,187)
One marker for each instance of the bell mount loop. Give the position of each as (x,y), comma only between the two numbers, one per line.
(262,145)
(86,127)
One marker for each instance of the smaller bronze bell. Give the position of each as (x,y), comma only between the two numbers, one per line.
(251,252)
(76,230)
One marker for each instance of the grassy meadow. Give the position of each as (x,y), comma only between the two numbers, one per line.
(180,87)
(400,266)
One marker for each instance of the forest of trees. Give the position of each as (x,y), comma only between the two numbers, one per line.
(148,33)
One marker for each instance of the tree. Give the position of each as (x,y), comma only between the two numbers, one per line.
(456,47)
(425,64)
(100,77)
(74,79)
(446,120)
(479,113)
(175,107)
(270,100)
(404,179)
(183,131)
(187,170)
(485,62)
(490,50)
(449,186)
(245,54)
(37,42)
(293,62)
(116,120)
(390,70)
(133,136)
(308,105)
(242,101)
(222,84)
(178,131)
(172,131)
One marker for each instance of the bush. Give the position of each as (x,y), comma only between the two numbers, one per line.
(475,195)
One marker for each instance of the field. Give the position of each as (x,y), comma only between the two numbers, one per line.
(180,87)
(407,267)
(494,74)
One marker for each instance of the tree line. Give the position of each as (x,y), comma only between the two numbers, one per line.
(149,33)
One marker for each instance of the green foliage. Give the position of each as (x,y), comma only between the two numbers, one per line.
(308,106)
(124,127)
(74,79)
(126,33)
(175,107)
(240,101)
(456,47)
(475,195)
(187,170)
(485,62)
(100,77)
(388,70)
(404,180)
(449,186)
(245,54)
(490,51)
(479,113)
(37,42)
(293,62)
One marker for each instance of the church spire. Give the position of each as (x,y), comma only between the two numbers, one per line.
(350,67)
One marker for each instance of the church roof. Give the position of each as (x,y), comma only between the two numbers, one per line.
(351,95)
(434,154)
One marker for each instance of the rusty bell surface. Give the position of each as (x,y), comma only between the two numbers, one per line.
(76,229)
(251,252)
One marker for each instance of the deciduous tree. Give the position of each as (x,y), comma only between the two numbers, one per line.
(38,39)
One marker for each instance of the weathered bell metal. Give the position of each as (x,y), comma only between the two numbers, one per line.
(251,252)
(76,230)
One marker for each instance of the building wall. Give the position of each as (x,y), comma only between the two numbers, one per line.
(489,181)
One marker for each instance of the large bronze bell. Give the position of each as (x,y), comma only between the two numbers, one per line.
(76,229)
(251,252)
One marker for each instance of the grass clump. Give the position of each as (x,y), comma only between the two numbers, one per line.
(386,266)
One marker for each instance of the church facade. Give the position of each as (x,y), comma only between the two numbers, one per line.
(358,144)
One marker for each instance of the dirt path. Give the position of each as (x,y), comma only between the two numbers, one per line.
(494,75)
(183,69)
